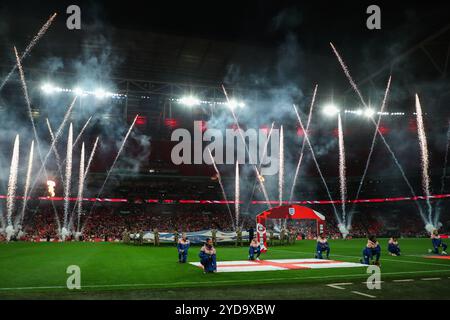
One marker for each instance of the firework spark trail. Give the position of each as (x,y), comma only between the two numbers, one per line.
(30,46)
(424,156)
(91,157)
(347,73)
(27,183)
(263,158)
(113,165)
(80,187)
(55,151)
(299,163)
(68,177)
(258,175)
(369,158)
(281,168)
(237,195)
(342,175)
(355,87)
(57,136)
(28,102)
(402,173)
(219,178)
(317,164)
(81,132)
(12,182)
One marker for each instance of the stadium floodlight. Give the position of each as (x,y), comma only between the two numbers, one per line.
(233,104)
(369,112)
(78,91)
(48,88)
(190,101)
(359,112)
(100,93)
(330,110)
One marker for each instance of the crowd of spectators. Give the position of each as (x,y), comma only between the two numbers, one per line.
(106,222)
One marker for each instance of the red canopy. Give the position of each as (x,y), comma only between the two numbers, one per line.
(294,212)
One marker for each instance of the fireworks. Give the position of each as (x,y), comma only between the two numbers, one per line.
(237,195)
(68,177)
(281,169)
(27,182)
(299,163)
(424,156)
(80,186)
(342,176)
(12,183)
(219,178)
(30,46)
(51,188)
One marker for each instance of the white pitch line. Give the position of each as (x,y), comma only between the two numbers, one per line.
(339,285)
(403,280)
(430,279)
(372,282)
(237,282)
(363,294)
(383,259)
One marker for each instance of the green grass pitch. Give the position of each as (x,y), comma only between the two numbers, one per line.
(120,271)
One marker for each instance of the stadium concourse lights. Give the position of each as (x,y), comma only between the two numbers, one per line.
(233,104)
(99,93)
(330,110)
(189,101)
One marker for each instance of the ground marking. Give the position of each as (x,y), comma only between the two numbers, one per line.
(339,285)
(237,282)
(370,282)
(403,280)
(363,294)
(430,279)
(395,260)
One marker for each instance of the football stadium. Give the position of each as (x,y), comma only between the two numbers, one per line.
(257,151)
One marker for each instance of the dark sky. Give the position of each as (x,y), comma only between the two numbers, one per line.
(258,22)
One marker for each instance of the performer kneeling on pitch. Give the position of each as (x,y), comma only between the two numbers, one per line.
(183,247)
(371,250)
(393,247)
(208,257)
(437,243)
(254,251)
(322,246)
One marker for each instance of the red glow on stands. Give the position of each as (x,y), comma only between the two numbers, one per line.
(300,132)
(171,123)
(265,129)
(335,132)
(234,126)
(412,125)
(202,125)
(274,202)
(141,120)
(384,130)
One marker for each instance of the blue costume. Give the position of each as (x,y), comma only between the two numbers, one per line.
(322,246)
(437,242)
(208,258)
(254,249)
(393,247)
(183,247)
(371,250)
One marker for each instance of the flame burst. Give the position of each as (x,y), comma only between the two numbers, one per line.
(51,188)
